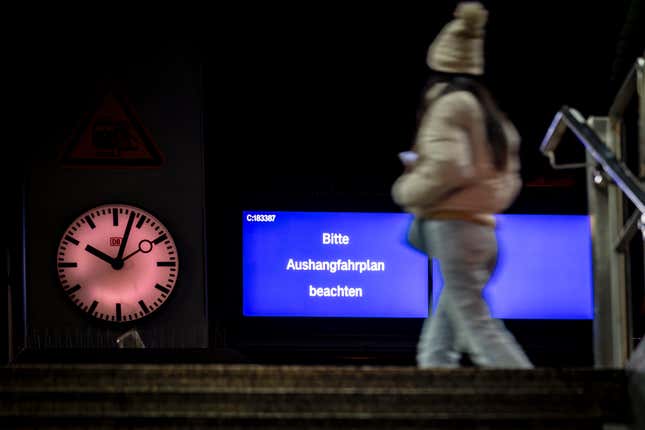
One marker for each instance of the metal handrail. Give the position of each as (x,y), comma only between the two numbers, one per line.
(617,171)
(611,237)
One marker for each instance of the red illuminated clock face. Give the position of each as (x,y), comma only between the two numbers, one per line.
(117,263)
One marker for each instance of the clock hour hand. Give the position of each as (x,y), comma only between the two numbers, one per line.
(124,240)
(100,254)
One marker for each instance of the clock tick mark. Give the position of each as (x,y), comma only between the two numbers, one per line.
(68,264)
(144,307)
(93,307)
(166,264)
(162,288)
(141,221)
(70,239)
(160,239)
(73,289)
(90,222)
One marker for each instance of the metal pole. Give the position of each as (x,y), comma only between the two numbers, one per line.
(611,333)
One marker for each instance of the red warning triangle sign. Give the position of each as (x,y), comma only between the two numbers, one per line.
(112,136)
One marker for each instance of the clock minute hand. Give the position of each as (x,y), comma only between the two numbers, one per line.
(124,240)
(103,256)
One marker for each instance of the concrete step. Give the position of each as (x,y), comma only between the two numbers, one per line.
(253,396)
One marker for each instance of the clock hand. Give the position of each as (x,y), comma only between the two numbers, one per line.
(145,246)
(131,254)
(99,254)
(124,240)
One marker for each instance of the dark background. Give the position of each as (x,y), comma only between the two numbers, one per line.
(306,106)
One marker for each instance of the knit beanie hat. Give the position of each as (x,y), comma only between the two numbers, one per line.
(459,47)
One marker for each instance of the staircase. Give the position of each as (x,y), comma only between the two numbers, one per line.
(307,397)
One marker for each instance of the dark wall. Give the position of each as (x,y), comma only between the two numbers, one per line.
(338,88)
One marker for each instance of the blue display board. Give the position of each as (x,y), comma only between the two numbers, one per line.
(349,264)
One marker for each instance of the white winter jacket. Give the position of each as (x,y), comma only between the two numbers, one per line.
(455,170)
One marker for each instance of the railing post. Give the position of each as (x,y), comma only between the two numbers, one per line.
(640,90)
(611,313)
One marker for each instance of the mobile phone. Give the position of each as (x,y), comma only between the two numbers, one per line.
(408,157)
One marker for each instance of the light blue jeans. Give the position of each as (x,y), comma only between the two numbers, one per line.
(467,254)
